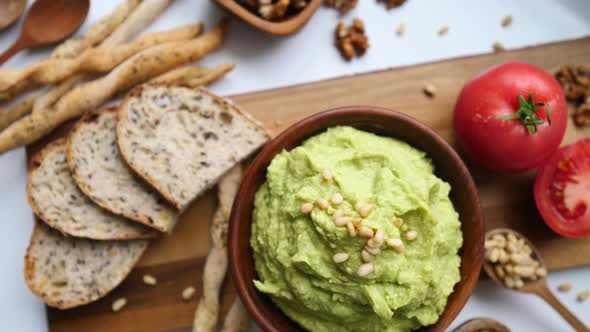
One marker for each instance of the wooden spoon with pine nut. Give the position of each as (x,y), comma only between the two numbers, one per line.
(512,261)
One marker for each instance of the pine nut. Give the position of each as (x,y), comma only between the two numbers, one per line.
(342,221)
(337,198)
(503,256)
(306,208)
(565,287)
(323,203)
(490,244)
(398,222)
(373,243)
(493,255)
(366,232)
(119,304)
(541,272)
(339,213)
(341,257)
(373,251)
(379,236)
(509,282)
(583,296)
(524,271)
(396,244)
(499,271)
(366,256)
(356,221)
(506,21)
(188,293)
(429,90)
(149,280)
(326,174)
(351,229)
(365,269)
(518,283)
(366,210)
(411,235)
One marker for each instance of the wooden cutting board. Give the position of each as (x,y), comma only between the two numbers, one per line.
(507,200)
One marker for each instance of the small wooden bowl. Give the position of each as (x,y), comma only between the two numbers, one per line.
(383,122)
(285,27)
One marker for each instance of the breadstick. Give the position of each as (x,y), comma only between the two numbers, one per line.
(141,17)
(92,60)
(11,114)
(237,319)
(216,263)
(96,33)
(140,68)
(74,46)
(145,14)
(194,76)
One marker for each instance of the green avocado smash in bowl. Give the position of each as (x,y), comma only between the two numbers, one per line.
(353,232)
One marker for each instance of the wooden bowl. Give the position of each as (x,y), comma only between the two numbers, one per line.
(383,122)
(285,27)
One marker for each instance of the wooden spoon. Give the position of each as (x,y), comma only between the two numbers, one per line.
(47,22)
(538,287)
(482,324)
(10,11)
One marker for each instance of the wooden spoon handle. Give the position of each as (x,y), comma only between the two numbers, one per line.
(18,45)
(548,296)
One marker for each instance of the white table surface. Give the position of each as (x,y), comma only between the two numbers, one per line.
(266,62)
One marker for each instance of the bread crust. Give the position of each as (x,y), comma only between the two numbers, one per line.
(138,91)
(30,265)
(91,117)
(34,164)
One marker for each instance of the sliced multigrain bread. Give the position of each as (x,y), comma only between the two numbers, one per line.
(101,174)
(182,140)
(66,272)
(57,201)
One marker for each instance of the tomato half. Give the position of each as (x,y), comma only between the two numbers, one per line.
(562,190)
(501,119)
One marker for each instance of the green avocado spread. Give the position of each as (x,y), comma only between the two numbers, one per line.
(353,232)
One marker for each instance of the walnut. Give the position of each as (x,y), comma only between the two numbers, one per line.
(390,4)
(575,81)
(351,41)
(343,6)
(274,10)
(582,115)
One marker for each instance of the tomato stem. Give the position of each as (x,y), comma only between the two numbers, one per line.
(527,113)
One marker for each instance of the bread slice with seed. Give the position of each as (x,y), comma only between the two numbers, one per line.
(101,174)
(182,140)
(66,272)
(57,201)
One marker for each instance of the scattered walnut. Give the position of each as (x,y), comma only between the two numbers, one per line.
(343,6)
(274,10)
(582,115)
(351,41)
(575,81)
(506,21)
(390,4)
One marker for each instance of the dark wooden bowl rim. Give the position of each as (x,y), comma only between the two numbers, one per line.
(380,121)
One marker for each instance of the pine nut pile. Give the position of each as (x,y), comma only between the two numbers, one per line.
(353,222)
(512,260)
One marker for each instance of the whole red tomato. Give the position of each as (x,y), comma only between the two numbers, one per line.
(511,117)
